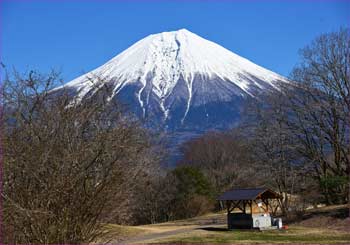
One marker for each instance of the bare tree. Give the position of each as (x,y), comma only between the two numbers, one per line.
(222,156)
(68,165)
(274,147)
(320,103)
(156,198)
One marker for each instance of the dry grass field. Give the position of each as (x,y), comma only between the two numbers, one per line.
(327,225)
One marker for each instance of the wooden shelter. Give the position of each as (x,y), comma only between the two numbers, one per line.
(254,200)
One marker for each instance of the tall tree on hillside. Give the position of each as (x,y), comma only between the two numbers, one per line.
(321,105)
(274,148)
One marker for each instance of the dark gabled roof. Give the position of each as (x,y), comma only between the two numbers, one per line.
(247,194)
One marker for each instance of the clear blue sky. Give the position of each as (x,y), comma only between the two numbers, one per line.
(77,36)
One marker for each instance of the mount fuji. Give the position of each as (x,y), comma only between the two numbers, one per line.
(180,81)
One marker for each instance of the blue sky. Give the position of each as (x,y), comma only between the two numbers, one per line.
(78,36)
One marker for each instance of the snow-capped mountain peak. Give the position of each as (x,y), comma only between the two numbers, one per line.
(178,70)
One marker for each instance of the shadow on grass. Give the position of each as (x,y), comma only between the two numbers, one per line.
(213,229)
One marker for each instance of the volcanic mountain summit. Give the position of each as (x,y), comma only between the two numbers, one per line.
(180,80)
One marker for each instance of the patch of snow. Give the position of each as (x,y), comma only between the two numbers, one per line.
(189,86)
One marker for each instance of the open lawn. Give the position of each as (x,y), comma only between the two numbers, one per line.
(295,234)
(323,226)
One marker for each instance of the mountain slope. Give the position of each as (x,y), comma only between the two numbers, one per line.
(180,80)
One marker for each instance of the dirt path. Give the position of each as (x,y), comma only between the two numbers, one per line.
(155,236)
(164,230)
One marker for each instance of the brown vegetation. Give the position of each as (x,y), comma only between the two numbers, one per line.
(67,165)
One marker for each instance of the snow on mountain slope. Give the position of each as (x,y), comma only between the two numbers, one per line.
(173,74)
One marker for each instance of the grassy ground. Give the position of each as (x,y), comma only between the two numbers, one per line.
(295,234)
(118,233)
(327,225)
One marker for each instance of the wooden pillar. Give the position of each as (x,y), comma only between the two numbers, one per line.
(266,202)
(228,206)
(267,205)
(251,207)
